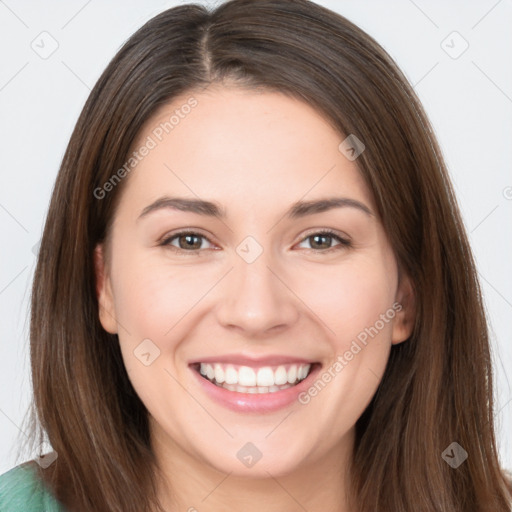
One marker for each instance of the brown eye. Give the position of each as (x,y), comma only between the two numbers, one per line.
(322,241)
(186,241)
(189,242)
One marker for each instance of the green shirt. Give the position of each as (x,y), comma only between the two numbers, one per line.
(22,491)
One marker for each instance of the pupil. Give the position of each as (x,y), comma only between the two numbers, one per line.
(189,244)
(316,237)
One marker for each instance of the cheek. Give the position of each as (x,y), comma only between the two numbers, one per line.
(152,295)
(148,302)
(152,302)
(359,310)
(350,298)
(161,302)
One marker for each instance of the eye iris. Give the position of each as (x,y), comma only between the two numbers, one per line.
(188,244)
(322,246)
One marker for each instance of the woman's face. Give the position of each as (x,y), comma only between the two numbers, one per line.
(256,294)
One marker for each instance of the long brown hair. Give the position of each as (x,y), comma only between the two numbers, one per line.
(437,388)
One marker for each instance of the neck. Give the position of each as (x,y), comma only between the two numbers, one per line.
(192,485)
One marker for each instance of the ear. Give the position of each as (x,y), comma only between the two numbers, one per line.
(107,313)
(403,322)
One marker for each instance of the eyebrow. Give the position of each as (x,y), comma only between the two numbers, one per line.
(212,209)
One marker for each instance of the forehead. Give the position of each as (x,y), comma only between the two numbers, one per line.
(242,147)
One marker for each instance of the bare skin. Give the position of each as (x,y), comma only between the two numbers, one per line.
(255,154)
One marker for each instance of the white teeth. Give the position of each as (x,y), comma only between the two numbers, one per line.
(219,374)
(265,376)
(281,376)
(210,373)
(292,374)
(231,375)
(245,379)
(253,390)
(246,376)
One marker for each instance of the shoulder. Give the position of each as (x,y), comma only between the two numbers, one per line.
(21,490)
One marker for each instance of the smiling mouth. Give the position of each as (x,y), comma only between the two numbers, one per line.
(245,379)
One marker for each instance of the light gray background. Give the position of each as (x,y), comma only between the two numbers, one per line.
(468,99)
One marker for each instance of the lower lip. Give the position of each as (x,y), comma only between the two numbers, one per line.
(255,402)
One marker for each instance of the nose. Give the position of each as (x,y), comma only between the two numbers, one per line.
(256,298)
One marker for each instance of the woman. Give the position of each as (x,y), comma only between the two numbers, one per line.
(254,287)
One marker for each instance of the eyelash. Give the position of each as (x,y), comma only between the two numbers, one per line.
(343,242)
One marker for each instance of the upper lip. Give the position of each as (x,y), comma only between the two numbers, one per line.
(253,361)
